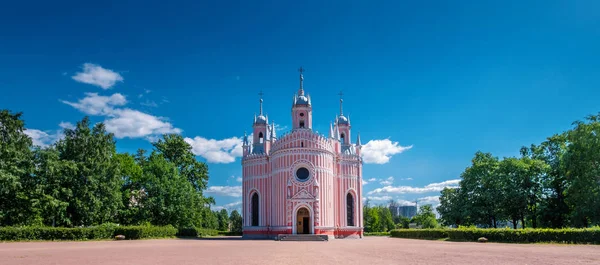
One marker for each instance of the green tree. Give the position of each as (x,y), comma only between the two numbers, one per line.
(174,148)
(223,218)
(131,190)
(91,173)
(452,207)
(51,187)
(168,198)
(236,221)
(385,215)
(426,217)
(483,190)
(582,164)
(15,168)
(552,210)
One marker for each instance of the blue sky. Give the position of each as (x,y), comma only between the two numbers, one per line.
(446,79)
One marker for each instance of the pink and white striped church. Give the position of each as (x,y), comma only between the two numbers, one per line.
(302,182)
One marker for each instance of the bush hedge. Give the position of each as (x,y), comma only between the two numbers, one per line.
(420,233)
(528,235)
(229,233)
(108,231)
(146,231)
(377,233)
(196,232)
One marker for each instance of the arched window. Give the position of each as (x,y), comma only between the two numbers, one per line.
(301,124)
(350,209)
(301,144)
(255,209)
(342,137)
(260,137)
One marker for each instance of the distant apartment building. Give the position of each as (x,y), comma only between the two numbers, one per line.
(406,211)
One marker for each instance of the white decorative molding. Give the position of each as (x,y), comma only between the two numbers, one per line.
(303,195)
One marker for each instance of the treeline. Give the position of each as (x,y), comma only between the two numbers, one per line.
(554,184)
(379,218)
(82,181)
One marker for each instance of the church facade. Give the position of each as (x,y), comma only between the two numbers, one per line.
(302,182)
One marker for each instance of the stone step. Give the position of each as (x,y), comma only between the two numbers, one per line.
(302,237)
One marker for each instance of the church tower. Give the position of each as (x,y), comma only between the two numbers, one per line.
(260,128)
(301,107)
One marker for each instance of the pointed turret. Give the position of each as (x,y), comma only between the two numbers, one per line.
(358,144)
(330,130)
(273,133)
(245,144)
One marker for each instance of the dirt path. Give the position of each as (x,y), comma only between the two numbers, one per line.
(370,250)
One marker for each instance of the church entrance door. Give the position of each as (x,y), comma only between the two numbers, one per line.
(303,221)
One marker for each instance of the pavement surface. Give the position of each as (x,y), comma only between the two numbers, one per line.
(369,250)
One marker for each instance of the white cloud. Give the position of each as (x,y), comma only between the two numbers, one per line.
(387,181)
(230,206)
(433,187)
(41,138)
(379,198)
(46,138)
(406,179)
(280,128)
(134,124)
(364,182)
(96,75)
(216,151)
(372,179)
(429,200)
(149,103)
(380,151)
(231,191)
(94,104)
(239,179)
(66,125)
(123,122)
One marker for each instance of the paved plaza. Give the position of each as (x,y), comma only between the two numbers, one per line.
(370,250)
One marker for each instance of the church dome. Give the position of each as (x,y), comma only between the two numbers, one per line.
(261,119)
(302,100)
(343,120)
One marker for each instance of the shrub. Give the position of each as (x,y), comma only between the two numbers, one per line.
(529,235)
(420,233)
(229,233)
(377,233)
(196,232)
(202,232)
(146,231)
(106,231)
(187,232)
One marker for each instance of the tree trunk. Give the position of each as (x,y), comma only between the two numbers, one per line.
(514,221)
(523,222)
(494,221)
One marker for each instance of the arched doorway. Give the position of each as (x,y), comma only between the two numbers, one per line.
(254,209)
(303,224)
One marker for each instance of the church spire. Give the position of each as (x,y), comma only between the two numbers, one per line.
(261,102)
(341,103)
(358,139)
(301,89)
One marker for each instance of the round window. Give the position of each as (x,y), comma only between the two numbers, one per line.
(301,114)
(302,174)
